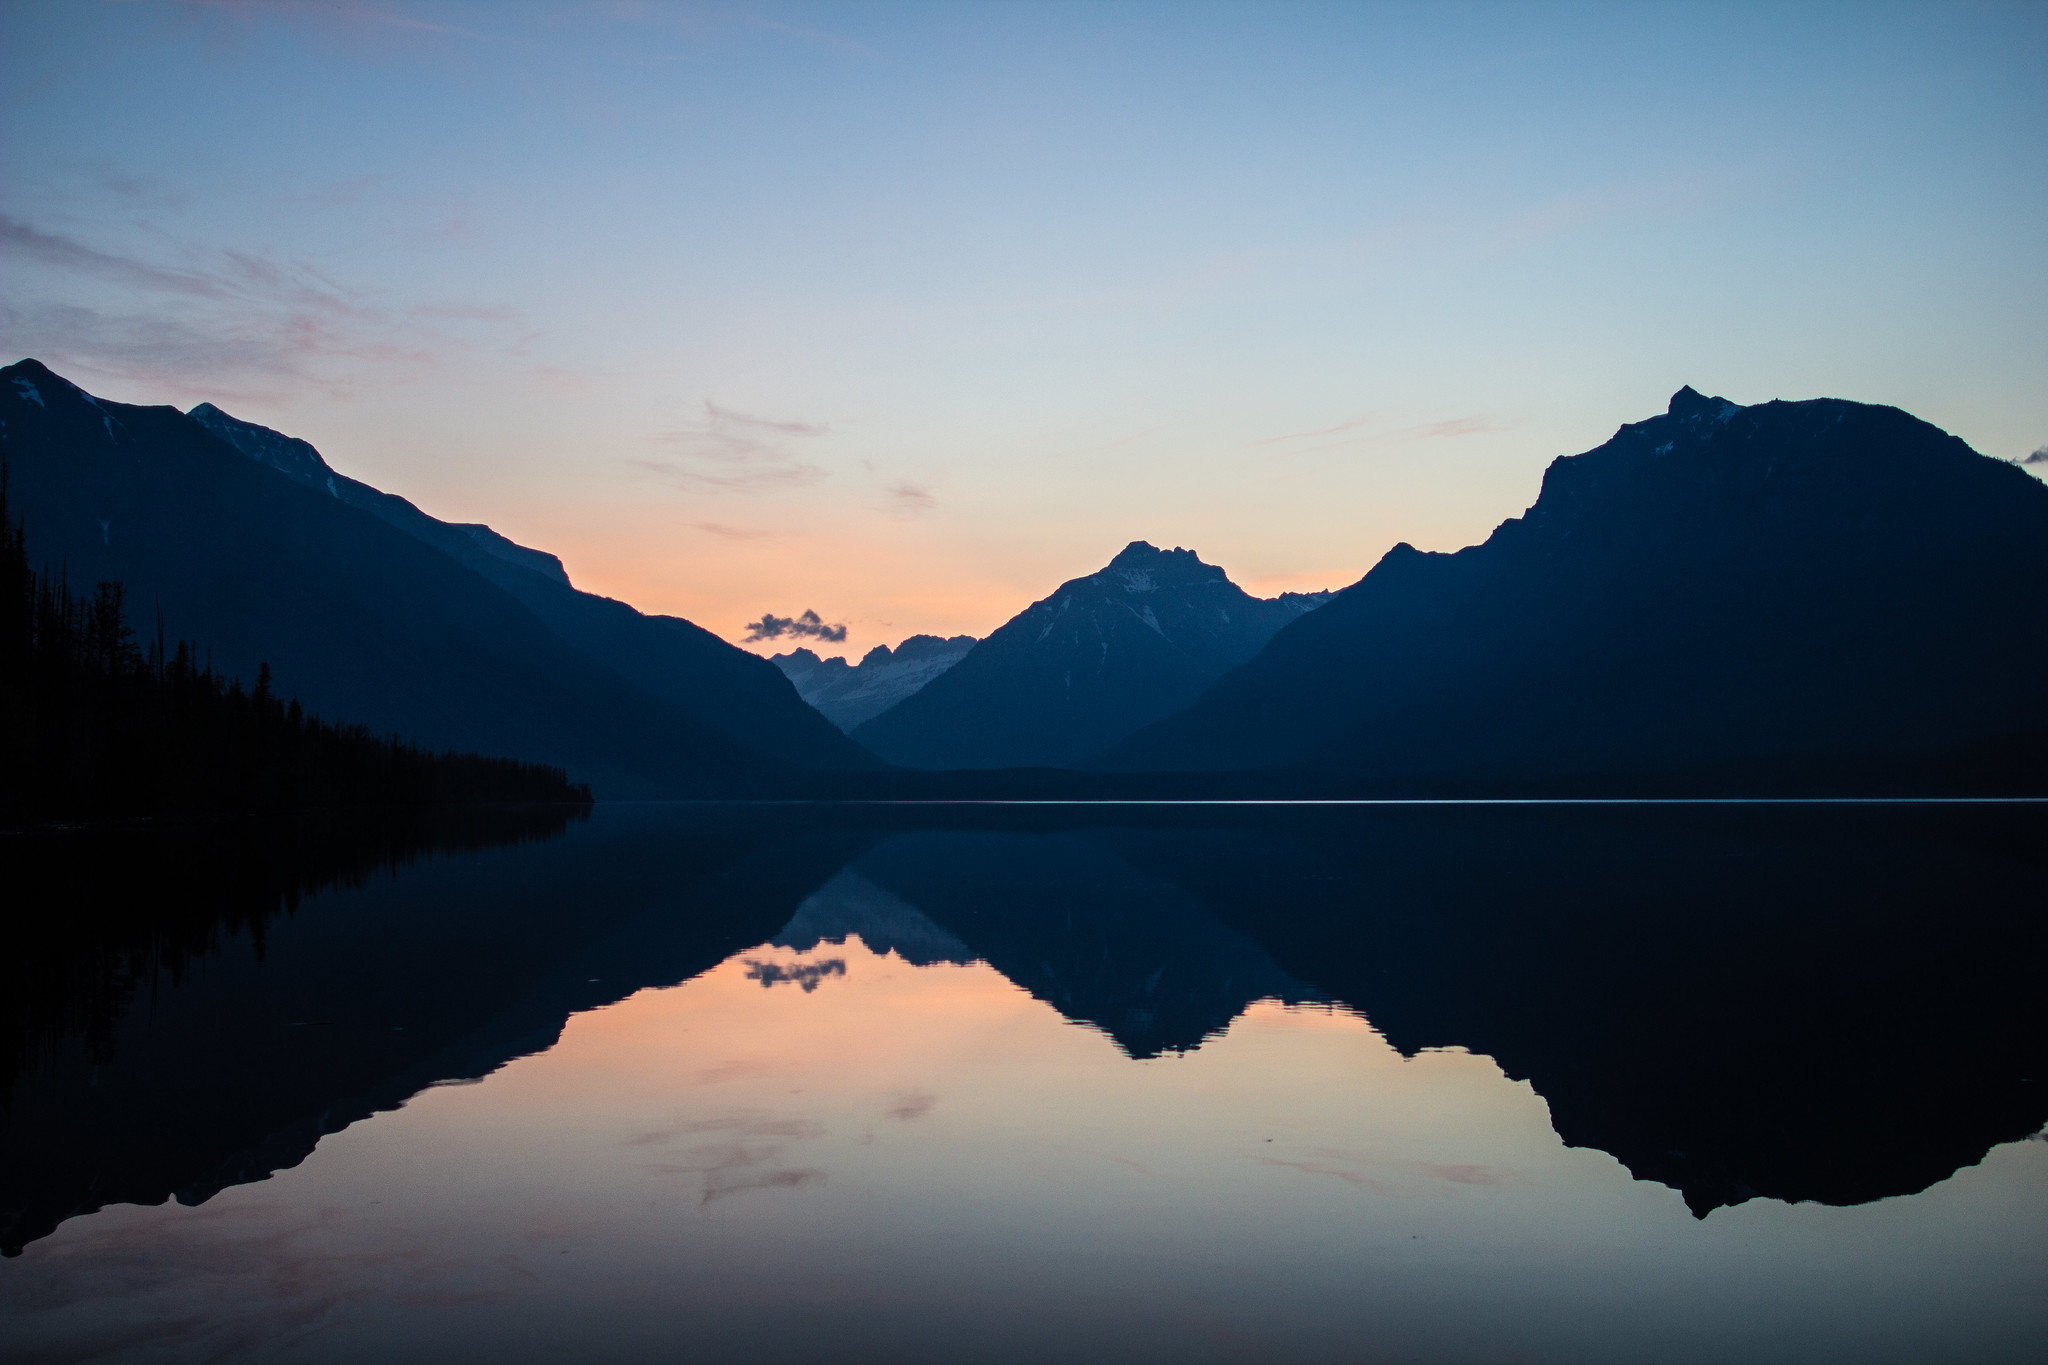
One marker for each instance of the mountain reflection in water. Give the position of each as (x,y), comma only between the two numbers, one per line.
(1808,1004)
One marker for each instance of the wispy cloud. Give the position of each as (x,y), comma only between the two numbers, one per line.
(838,42)
(341,194)
(333,12)
(736,478)
(20,239)
(146,191)
(1458,426)
(1678,192)
(220,318)
(736,450)
(466,312)
(725,532)
(739,429)
(1353,425)
(223,359)
(2040,456)
(909,499)
(1363,429)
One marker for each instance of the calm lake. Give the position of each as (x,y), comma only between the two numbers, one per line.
(1029,1083)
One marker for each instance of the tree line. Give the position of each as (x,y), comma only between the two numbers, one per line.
(95,726)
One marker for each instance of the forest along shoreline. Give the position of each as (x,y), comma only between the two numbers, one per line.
(98,731)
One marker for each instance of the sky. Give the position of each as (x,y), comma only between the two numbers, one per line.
(905,314)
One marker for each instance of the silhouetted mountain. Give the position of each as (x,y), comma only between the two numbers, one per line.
(1779,592)
(384,616)
(298,460)
(675,660)
(848,694)
(1087,666)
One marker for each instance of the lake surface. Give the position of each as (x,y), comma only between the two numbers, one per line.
(712,1083)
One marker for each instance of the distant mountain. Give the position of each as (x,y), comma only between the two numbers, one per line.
(1089,665)
(369,610)
(1769,590)
(848,694)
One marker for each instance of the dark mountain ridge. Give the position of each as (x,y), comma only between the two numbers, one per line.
(1717,587)
(383,615)
(298,460)
(674,659)
(1100,657)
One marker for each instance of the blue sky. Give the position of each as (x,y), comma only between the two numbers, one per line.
(905,313)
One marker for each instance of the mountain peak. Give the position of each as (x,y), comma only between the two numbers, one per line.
(1830,579)
(31,376)
(1143,567)
(288,455)
(1689,403)
(1099,657)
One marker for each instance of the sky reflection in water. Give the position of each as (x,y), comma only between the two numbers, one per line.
(815,1150)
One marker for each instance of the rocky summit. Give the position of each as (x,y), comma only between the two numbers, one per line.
(1087,666)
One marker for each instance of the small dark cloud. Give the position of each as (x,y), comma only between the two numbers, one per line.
(2040,456)
(809,626)
(804,974)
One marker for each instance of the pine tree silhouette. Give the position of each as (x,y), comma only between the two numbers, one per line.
(91,727)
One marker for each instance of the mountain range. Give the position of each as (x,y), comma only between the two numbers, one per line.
(848,694)
(1818,597)
(368,610)
(1779,594)
(1087,666)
